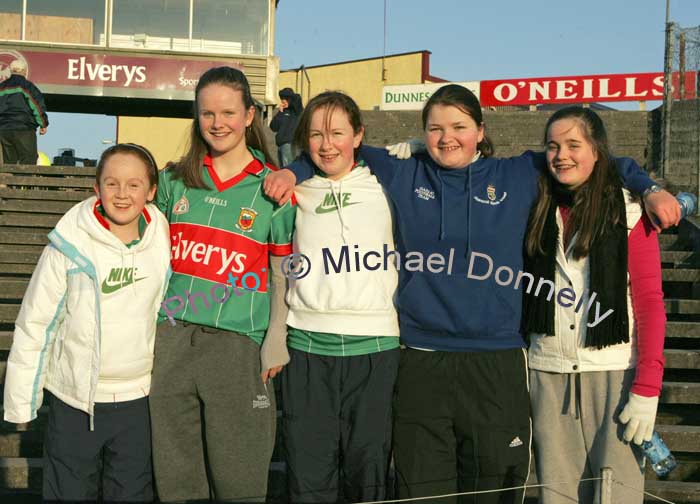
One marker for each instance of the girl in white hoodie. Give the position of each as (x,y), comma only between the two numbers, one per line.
(86,331)
(343,329)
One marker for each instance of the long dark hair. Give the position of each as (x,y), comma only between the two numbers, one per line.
(333,100)
(189,167)
(596,205)
(458,96)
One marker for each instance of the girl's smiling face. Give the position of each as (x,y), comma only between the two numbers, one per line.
(124,189)
(332,142)
(571,157)
(451,136)
(223,118)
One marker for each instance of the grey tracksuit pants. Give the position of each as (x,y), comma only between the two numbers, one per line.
(213,420)
(576,433)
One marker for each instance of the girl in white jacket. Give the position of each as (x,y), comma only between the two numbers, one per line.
(85,333)
(597,337)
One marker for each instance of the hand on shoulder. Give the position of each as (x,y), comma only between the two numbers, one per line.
(279,185)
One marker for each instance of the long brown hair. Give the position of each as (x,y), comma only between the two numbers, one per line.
(458,96)
(189,167)
(596,206)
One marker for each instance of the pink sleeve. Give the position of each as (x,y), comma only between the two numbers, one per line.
(644,264)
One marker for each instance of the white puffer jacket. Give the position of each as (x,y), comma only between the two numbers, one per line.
(86,328)
(565,352)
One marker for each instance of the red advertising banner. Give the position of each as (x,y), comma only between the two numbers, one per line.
(582,89)
(101,74)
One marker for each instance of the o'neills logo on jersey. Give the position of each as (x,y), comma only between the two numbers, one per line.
(212,254)
(81,69)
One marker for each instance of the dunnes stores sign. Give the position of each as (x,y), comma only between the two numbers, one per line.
(413,97)
(104,74)
(545,90)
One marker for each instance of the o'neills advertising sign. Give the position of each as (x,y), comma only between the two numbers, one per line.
(582,89)
(99,74)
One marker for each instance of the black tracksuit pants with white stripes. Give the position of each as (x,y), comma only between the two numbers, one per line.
(462,424)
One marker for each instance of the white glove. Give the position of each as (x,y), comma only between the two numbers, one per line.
(640,415)
(403,150)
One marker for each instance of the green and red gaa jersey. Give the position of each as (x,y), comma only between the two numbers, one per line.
(220,234)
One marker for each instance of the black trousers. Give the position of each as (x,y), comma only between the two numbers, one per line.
(117,452)
(462,424)
(337,425)
(19,146)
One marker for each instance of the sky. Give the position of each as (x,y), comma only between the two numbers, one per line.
(468,39)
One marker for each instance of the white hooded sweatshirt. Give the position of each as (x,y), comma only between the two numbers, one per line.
(344,228)
(86,328)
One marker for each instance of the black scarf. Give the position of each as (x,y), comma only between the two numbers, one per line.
(607,260)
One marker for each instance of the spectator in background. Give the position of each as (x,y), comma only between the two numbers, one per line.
(268,134)
(285,122)
(22,111)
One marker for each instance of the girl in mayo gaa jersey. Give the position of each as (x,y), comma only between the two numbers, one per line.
(213,416)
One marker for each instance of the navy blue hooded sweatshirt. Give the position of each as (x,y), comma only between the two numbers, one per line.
(476,214)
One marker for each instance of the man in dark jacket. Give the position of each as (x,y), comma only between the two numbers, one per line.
(22,111)
(285,122)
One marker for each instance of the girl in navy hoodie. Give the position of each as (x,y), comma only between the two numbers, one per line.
(462,414)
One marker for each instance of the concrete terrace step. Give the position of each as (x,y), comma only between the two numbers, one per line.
(22,236)
(682,359)
(44,195)
(680,275)
(49,171)
(12,288)
(680,257)
(38,181)
(20,254)
(21,444)
(682,306)
(680,438)
(674,491)
(681,330)
(5,340)
(8,312)
(680,393)
(671,242)
(21,473)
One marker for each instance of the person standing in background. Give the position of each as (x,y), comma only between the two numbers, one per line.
(22,111)
(285,122)
(267,133)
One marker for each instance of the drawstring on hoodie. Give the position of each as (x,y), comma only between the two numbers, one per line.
(337,199)
(477,156)
(469,209)
(442,206)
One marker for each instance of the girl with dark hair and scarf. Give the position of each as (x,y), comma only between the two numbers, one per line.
(595,373)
